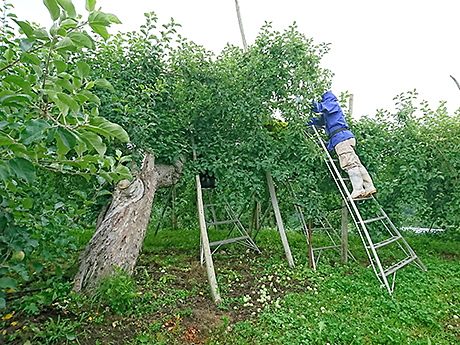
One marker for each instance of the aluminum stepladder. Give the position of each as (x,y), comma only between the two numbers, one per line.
(244,239)
(376,226)
(324,226)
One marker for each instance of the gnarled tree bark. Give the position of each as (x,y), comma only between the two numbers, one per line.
(118,238)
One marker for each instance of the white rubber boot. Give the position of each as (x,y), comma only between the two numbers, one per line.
(357,183)
(368,185)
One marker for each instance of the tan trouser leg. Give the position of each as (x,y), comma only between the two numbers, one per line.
(348,159)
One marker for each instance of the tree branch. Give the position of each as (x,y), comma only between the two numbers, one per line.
(456,82)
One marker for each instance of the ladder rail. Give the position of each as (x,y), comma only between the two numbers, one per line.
(409,248)
(241,228)
(350,205)
(244,239)
(363,231)
(354,210)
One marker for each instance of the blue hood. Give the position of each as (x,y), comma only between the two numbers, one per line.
(328,97)
(332,117)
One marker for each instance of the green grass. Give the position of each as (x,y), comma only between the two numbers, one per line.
(264,300)
(346,304)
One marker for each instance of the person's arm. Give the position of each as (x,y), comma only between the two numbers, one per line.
(317,121)
(317,107)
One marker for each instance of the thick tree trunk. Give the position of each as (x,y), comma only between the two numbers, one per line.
(118,238)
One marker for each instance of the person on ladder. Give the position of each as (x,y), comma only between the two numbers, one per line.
(342,140)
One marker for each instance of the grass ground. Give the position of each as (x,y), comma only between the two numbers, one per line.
(167,301)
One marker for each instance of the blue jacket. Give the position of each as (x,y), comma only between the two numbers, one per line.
(332,116)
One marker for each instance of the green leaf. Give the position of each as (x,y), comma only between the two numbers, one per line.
(103,83)
(33,131)
(27,203)
(28,30)
(19,149)
(106,176)
(8,283)
(81,39)
(17,80)
(69,23)
(14,100)
(2,303)
(67,137)
(37,266)
(41,34)
(90,4)
(62,149)
(65,84)
(53,9)
(82,70)
(123,171)
(98,18)
(80,148)
(68,101)
(8,54)
(4,172)
(5,140)
(26,57)
(68,7)
(100,30)
(61,66)
(25,45)
(113,18)
(23,169)
(63,108)
(107,129)
(95,141)
(65,43)
(86,160)
(86,95)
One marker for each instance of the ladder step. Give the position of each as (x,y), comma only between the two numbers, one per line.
(364,199)
(313,229)
(222,222)
(387,241)
(328,247)
(373,219)
(230,240)
(398,265)
(209,205)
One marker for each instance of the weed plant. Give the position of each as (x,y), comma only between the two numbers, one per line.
(118,293)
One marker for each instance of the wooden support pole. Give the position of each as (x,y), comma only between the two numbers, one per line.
(344,254)
(205,240)
(173,211)
(279,220)
(350,104)
(240,22)
(310,247)
(205,244)
(254,221)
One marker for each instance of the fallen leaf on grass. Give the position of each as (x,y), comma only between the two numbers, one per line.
(192,335)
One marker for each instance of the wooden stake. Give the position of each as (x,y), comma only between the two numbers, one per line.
(279,220)
(205,244)
(205,240)
(310,247)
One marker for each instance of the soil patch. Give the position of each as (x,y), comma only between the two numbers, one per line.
(174,303)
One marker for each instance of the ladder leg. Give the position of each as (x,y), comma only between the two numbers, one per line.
(360,223)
